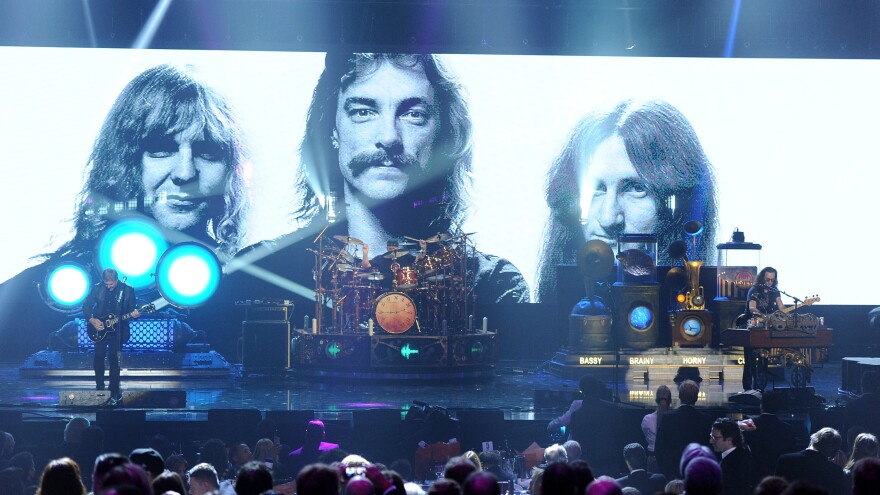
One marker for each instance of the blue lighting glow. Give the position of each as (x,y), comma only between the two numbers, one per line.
(640,318)
(188,274)
(68,284)
(133,248)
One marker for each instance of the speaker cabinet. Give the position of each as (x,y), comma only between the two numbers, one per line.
(691,328)
(265,345)
(636,315)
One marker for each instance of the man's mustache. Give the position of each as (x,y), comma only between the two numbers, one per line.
(362,161)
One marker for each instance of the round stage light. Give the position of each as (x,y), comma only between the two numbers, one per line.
(133,248)
(188,274)
(67,285)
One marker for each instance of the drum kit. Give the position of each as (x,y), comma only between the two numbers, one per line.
(426,292)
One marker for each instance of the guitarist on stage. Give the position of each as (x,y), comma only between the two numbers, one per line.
(109,298)
(763,299)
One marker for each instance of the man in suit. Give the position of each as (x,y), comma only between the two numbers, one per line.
(639,478)
(864,410)
(771,437)
(813,464)
(679,427)
(727,440)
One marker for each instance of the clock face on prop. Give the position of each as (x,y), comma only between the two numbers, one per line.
(692,326)
(395,312)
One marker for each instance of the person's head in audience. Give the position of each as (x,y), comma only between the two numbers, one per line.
(866,476)
(202,479)
(402,467)
(663,398)
(870,382)
(635,456)
(253,478)
(25,462)
(149,459)
(688,392)
(801,487)
(315,432)
(865,445)
(240,454)
(214,453)
(591,387)
(826,441)
(772,402)
(675,487)
(490,459)
(359,485)
(61,477)
(481,483)
(771,485)
(604,485)
(12,481)
(555,453)
(558,479)
(474,458)
(444,486)
(317,479)
(725,435)
(265,449)
(396,480)
(176,463)
(458,469)
(702,477)
(103,465)
(354,460)
(332,456)
(128,475)
(694,451)
(8,445)
(583,475)
(572,450)
(630,490)
(168,482)
(74,429)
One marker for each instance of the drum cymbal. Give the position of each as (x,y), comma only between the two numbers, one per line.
(349,240)
(438,238)
(371,276)
(345,267)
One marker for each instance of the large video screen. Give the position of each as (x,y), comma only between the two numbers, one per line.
(561,149)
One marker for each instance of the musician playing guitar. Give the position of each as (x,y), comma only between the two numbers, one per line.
(762,300)
(111,297)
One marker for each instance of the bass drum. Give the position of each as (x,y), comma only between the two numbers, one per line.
(395,312)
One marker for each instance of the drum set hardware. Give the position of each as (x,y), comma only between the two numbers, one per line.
(431,296)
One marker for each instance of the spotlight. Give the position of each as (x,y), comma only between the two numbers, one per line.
(66,285)
(188,274)
(132,247)
(330,206)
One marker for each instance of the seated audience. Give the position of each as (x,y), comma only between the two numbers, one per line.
(813,464)
(866,476)
(637,463)
(202,479)
(253,478)
(61,477)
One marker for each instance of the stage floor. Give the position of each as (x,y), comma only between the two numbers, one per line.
(512,389)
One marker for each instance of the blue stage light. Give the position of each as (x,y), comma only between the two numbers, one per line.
(67,285)
(188,274)
(133,248)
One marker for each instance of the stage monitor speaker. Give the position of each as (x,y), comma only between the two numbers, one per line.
(636,315)
(154,399)
(84,398)
(265,345)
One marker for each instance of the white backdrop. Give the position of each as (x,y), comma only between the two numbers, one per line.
(792,143)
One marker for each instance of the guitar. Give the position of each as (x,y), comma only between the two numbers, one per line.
(111,321)
(808,302)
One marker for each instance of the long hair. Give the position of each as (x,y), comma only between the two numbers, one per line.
(865,445)
(759,280)
(669,159)
(61,477)
(453,146)
(161,101)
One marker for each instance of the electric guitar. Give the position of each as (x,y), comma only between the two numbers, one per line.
(808,302)
(111,321)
